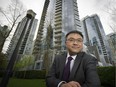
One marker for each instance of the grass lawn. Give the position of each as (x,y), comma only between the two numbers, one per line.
(26,83)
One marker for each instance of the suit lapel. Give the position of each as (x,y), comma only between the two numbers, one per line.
(76,64)
(62,64)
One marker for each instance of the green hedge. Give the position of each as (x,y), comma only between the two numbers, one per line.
(30,74)
(1,73)
(107,76)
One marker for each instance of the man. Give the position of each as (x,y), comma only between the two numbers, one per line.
(82,66)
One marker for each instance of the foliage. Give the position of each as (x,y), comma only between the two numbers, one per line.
(24,62)
(3,32)
(3,61)
(107,76)
(48,47)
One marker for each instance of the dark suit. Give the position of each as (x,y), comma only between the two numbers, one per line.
(83,71)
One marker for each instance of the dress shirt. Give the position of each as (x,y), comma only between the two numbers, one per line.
(71,65)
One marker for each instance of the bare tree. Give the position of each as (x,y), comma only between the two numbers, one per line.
(48,48)
(111,10)
(12,14)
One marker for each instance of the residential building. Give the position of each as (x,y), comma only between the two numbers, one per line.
(22,40)
(112,42)
(95,39)
(39,45)
(62,16)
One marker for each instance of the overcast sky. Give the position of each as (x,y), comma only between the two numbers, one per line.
(85,7)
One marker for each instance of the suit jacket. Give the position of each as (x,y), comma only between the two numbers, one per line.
(83,71)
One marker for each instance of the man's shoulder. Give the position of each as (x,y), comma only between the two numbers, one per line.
(88,56)
(61,55)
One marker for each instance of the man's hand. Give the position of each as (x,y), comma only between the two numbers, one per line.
(71,84)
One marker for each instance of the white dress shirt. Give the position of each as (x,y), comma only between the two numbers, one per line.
(71,65)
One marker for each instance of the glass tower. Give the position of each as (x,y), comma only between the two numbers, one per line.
(62,16)
(94,37)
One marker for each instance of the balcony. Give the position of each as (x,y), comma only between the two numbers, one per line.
(58,23)
(58,3)
(57,41)
(57,36)
(58,31)
(58,15)
(58,10)
(58,27)
(57,7)
(58,47)
(58,20)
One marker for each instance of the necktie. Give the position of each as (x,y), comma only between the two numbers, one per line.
(66,72)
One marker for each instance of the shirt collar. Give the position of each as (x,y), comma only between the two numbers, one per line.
(74,56)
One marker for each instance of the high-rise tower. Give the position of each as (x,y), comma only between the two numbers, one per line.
(112,43)
(38,41)
(95,38)
(66,19)
(23,36)
(62,16)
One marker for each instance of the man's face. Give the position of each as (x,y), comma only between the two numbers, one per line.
(74,43)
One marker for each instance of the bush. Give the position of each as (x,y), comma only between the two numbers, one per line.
(30,74)
(1,73)
(107,76)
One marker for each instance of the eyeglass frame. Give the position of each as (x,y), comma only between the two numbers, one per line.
(75,40)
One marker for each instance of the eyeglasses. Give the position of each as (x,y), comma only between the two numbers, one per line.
(75,40)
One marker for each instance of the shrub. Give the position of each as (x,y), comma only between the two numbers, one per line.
(1,73)
(107,76)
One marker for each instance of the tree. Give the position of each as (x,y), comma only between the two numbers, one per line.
(3,61)
(24,62)
(12,14)
(48,47)
(111,10)
(3,32)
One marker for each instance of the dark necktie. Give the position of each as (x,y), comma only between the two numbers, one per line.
(66,72)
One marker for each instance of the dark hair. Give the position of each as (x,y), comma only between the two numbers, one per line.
(74,31)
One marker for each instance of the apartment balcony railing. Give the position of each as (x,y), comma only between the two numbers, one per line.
(58,26)
(58,15)
(57,31)
(58,22)
(57,36)
(57,41)
(58,10)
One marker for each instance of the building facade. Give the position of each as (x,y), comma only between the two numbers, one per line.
(112,42)
(66,18)
(22,40)
(62,16)
(95,38)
